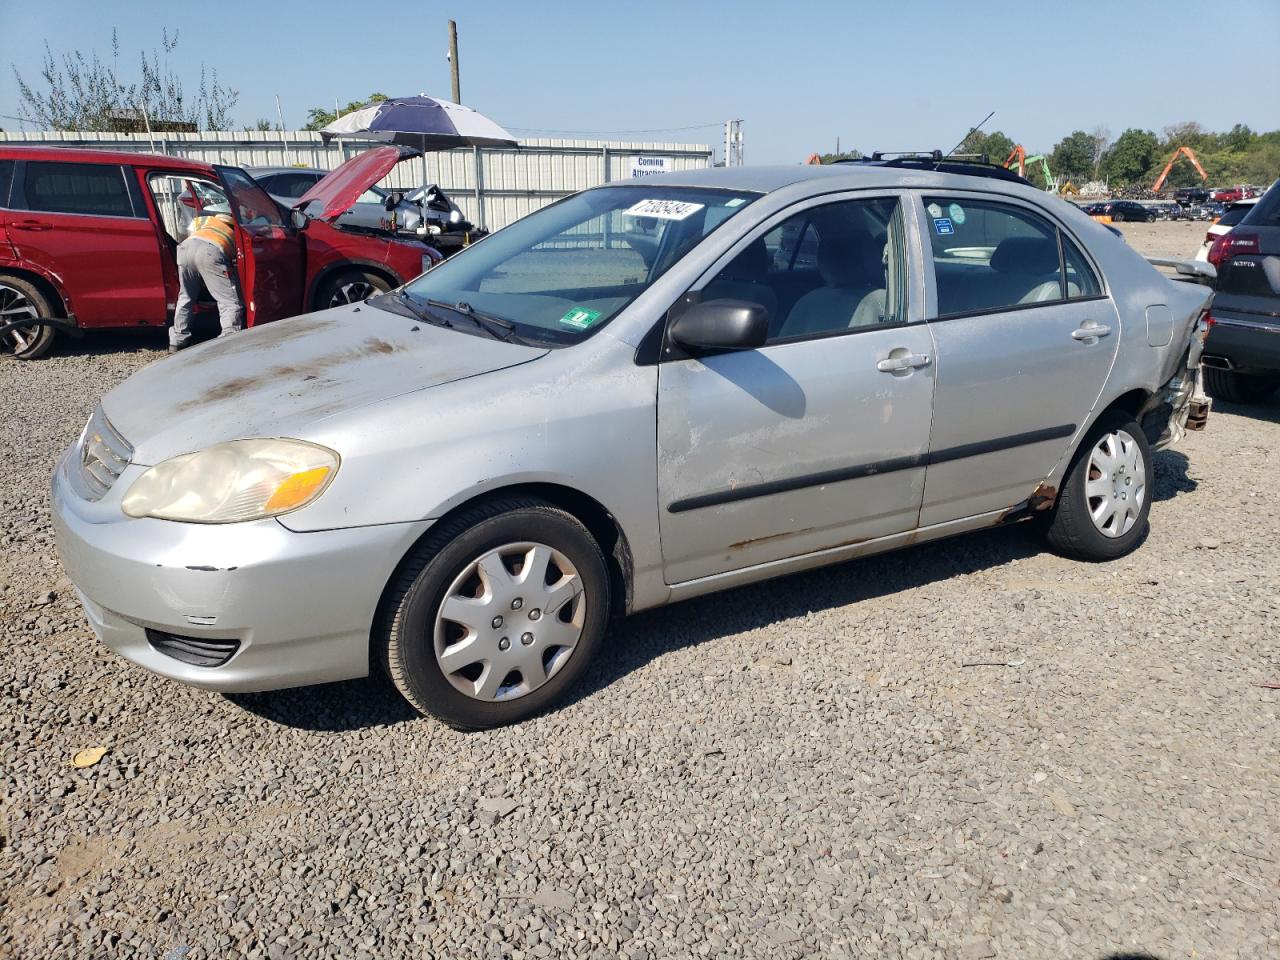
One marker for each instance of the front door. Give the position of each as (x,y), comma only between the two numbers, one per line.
(87,225)
(271,252)
(1025,337)
(817,439)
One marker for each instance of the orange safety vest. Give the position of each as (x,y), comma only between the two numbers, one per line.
(215,230)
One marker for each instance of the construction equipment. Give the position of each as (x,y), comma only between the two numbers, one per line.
(1019,155)
(1180,152)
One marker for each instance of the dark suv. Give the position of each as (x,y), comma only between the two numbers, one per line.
(1242,354)
(1186,196)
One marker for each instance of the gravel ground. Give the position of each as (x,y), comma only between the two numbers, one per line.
(972,749)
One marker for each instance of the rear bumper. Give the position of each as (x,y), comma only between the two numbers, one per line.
(1248,343)
(296,608)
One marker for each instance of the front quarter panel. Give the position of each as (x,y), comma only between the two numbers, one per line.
(580,417)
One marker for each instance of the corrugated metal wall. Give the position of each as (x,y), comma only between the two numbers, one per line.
(511,183)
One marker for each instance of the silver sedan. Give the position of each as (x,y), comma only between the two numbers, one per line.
(639,394)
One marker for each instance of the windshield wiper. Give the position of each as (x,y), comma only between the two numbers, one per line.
(415,308)
(494,326)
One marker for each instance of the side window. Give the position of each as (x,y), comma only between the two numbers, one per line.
(1081,281)
(253,210)
(6,178)
(991,256)
(91,189)
(832,269)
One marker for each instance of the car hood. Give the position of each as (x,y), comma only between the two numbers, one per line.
(278,379)
(334,195)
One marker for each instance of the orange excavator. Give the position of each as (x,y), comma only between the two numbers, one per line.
(1180,152)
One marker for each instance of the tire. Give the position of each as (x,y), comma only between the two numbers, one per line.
(1238,387)
(349,286)
(509,632)
(20,298)
(1117,217)
(1081,526)
(1151,218)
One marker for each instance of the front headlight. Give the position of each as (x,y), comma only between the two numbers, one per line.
(234,481)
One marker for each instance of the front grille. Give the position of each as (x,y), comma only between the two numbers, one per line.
(102,456)
(197,651)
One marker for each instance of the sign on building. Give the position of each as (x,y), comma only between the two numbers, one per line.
(648,166)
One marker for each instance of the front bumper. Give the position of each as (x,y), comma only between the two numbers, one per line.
(299,605)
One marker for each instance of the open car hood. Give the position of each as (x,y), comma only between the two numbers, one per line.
(334,195)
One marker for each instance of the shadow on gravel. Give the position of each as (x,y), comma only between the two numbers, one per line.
(103,342)
(633,642)
(1171,475)
(1268,411)
(1129,955)
(332,707)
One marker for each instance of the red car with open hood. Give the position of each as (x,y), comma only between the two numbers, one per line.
(91,236)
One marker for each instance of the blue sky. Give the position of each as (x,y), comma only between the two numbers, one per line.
(910,74)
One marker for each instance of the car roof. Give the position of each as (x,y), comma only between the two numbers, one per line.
(85,155)
(261,171)
(825,177)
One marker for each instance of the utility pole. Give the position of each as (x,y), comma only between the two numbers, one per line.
(733,143)
(453,60)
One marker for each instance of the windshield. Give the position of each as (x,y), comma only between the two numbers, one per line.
(565,271)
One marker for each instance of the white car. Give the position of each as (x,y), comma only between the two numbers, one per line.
(1230,217)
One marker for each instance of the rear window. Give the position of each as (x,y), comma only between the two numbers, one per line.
(92,189)
(1266,212)
(1234,214)
(6,177)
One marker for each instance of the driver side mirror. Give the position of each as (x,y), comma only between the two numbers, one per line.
(298,220)
(722,325)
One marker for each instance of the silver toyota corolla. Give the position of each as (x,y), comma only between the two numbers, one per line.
(636,395)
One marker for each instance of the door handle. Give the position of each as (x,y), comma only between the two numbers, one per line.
(1089,331)
(909,361)
(31,225)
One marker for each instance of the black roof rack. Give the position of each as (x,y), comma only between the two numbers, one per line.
(966,164)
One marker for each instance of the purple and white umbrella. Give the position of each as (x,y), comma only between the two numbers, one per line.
(421,122)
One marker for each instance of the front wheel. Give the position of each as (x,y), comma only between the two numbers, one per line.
(349,286)
(1102,511)
(496,615)
(1117,217)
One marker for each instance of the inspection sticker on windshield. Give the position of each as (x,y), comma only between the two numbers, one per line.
(943,225)
(580,318)
(664,209)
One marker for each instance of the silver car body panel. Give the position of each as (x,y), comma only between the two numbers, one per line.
(426,420)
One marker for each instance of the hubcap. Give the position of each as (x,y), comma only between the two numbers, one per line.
(510,621)
(15,305)
(1116,484)
(353,292)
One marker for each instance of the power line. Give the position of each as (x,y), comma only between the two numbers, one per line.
(614,133)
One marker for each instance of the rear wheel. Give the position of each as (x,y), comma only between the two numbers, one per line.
(1117,217)
(1238,387)
(349,286)
(496,615)
(1102,511)
(20,300)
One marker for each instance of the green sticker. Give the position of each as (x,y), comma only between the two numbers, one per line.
(580,318)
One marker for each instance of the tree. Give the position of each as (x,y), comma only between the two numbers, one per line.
(842,155)
(319,117)
(1239,138)
(84,92)
(260,125)
(996,145)
(1073,157)
(1131,157)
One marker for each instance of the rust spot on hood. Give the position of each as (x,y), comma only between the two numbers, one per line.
(308,371)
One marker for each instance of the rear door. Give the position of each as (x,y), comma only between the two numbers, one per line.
(1025,339)
(272,253)
(87,225)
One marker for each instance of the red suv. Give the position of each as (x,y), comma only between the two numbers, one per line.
(91,236)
